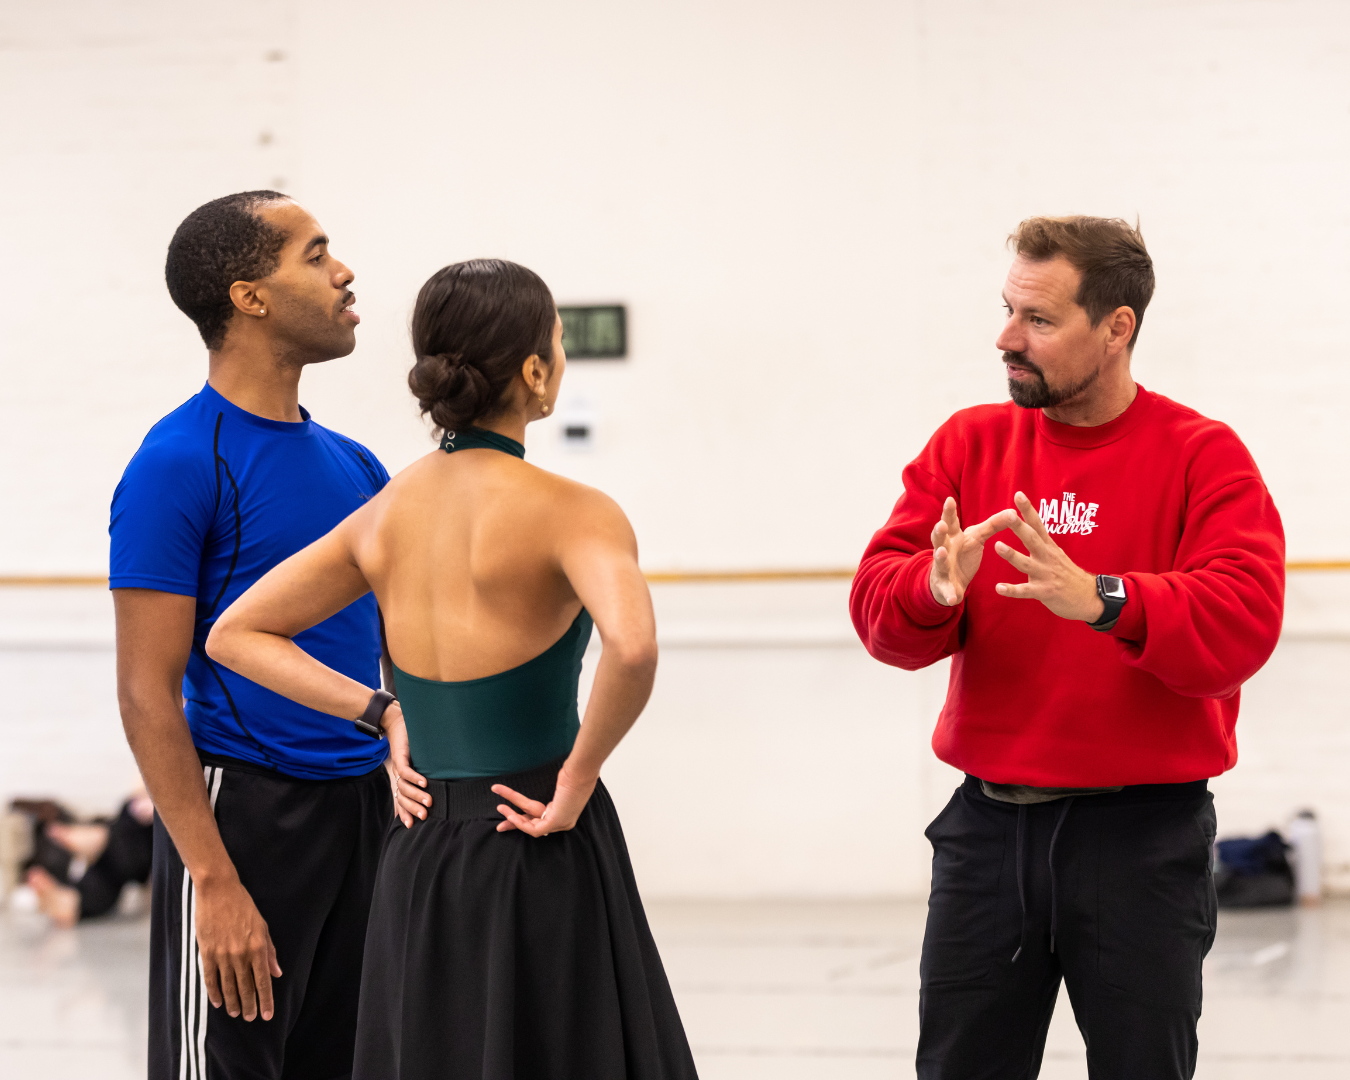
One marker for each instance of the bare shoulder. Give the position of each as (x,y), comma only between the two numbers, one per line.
(400,494)
(414,473)
(578,507)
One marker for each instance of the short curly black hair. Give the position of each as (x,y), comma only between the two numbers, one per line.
(219,243)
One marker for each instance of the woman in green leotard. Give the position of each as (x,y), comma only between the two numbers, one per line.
(507,940)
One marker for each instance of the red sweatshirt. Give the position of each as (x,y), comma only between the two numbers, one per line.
(1161,496)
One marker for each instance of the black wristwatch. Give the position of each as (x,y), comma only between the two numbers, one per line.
(1112,591)
(369,721)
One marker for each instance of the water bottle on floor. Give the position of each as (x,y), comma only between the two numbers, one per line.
(1306,839)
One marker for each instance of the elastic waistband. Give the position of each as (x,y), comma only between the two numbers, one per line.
(239,765)
(473,799)
(1133,793)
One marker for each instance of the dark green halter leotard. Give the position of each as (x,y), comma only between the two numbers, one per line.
(502,723)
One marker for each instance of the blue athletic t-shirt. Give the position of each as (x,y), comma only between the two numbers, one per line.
(213,499)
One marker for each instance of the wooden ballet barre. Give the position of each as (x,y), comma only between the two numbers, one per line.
(656,577)
(663,577)
(666,577)
(51,579)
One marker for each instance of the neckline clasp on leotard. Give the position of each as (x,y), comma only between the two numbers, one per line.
(480,439)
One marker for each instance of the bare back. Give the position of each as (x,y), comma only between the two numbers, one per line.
(480,563)
(465,552)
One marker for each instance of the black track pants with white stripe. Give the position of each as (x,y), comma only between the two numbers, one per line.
(306,851)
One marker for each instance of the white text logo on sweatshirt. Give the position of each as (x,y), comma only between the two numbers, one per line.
(1068,515)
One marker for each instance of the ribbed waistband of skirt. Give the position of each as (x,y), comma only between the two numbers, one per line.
(473,798)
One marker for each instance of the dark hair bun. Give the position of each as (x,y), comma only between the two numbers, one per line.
(452,392)
(473,327)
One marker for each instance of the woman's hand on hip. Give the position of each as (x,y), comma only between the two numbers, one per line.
(408,785)
(537,819)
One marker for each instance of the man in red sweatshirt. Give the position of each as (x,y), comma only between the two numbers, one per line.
(1097,660)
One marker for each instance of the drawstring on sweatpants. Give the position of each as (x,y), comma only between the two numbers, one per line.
(1054,898)
(1021,883)
(1021,872)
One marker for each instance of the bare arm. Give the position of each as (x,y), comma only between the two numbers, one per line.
(254,638)
(604,571)
(154,640)
(600,559)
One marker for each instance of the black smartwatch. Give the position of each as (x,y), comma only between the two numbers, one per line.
(1112,591)
(369,721)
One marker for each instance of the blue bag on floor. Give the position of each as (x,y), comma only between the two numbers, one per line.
(1253,872)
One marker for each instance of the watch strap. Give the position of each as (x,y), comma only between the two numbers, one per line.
(1113,601)
(369,721)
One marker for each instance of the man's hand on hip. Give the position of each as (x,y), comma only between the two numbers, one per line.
(1052,578)
(239,960)
(957,552)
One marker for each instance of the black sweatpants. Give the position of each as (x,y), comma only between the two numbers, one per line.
(1113,893)
(126,858)
(306,851)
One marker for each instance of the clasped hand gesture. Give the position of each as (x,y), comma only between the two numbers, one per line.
(1052,577)
(957,552)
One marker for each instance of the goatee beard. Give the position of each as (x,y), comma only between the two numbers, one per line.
(1035,393)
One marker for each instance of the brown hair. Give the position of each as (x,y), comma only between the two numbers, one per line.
(474,325)
(1108,254)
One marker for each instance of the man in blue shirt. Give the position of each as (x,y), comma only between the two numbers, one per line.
(270,815)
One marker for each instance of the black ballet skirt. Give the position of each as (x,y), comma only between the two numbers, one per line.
(498,956)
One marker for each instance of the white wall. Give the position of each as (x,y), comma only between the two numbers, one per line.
(803,205)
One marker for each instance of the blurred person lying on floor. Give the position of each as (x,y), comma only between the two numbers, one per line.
(77,869)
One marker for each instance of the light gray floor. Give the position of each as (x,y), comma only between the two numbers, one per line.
(792,991)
